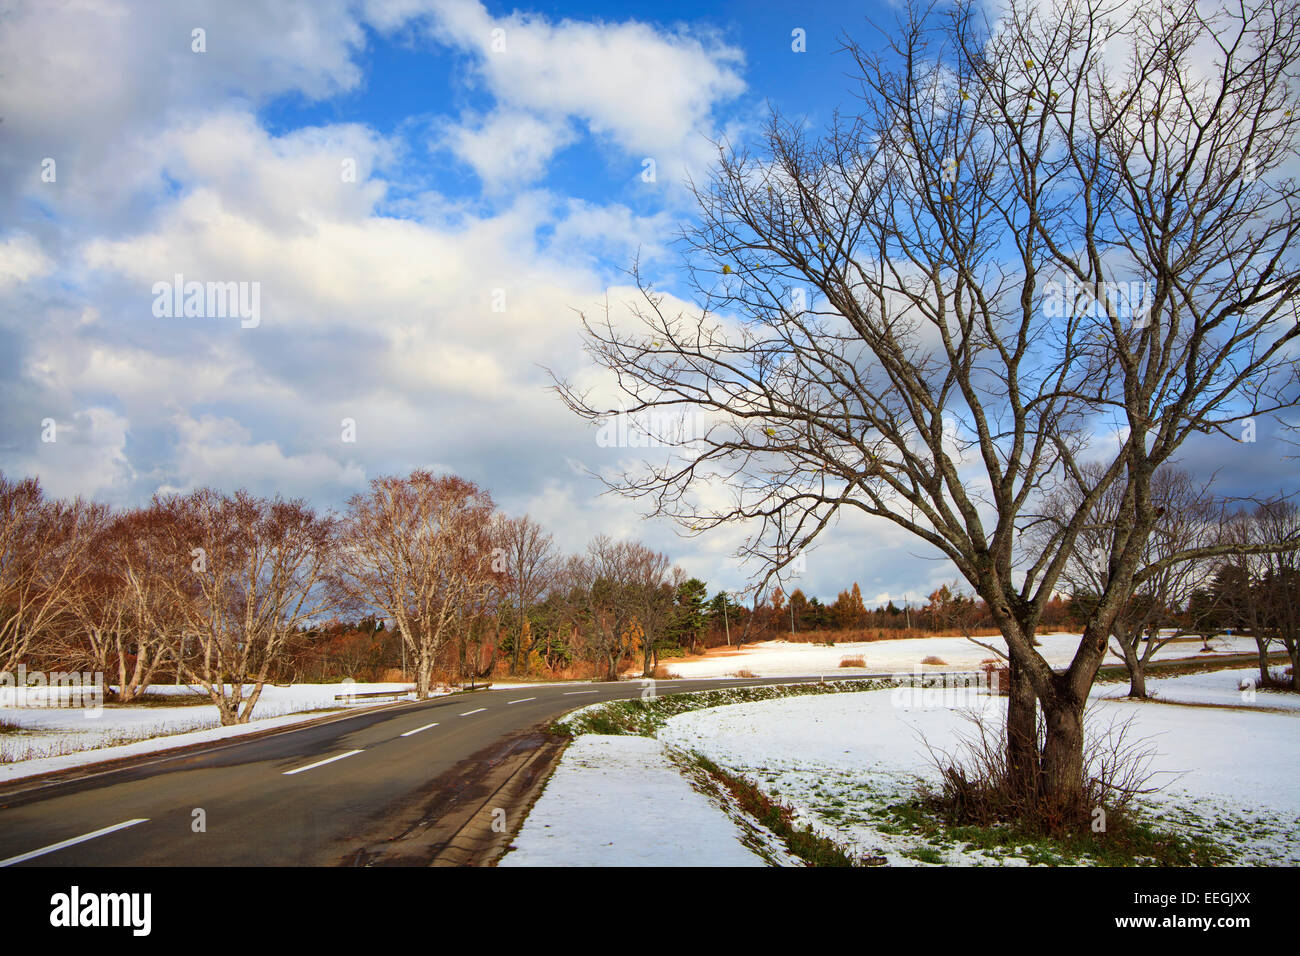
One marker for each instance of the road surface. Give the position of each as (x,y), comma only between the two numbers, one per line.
(333,793)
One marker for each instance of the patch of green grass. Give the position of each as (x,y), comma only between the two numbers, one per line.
(802,841)
(1129,841)
(644,717)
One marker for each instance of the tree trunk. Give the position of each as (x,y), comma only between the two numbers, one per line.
(1137,678)
(423,676)
(1022,732)
(1261,646)
(1062,764)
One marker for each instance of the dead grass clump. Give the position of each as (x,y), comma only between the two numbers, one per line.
(853,662)
(935,661)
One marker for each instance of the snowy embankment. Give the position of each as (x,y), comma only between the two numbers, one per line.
(621,801)
(790,659)
(841,760)
(36,740)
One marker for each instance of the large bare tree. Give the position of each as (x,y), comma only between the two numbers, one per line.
(246,573)
(1063,237)
(419,550)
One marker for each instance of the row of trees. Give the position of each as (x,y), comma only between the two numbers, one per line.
(227,591)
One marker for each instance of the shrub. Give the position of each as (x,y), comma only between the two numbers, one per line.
(853,662)
(937,661)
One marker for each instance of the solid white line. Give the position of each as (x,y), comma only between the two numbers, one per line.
(73,842)
(479,711)
(321,763)
(417,730)
(520,700)
(570,693)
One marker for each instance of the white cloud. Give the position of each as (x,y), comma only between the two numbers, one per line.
(651,92)
(509,148)
(21,258)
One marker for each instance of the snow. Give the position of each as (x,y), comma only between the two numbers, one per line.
(1232,688)
(42,739)
(839,759)
(794,659)
(620,801)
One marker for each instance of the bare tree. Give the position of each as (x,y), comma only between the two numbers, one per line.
(613,588)
(1018,258)
(43,544)
(417,549)
(527,560)
(116,622)
(246,574)
(1189,520)
(1259,587)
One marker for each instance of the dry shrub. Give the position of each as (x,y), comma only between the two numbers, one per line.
(661,672)
(936,661)
(393,675)
(853,662)
(743,672)
(997,675)
(975,787)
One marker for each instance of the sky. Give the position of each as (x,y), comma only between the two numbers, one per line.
(417,199)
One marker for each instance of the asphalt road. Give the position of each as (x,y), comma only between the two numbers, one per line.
(310,796)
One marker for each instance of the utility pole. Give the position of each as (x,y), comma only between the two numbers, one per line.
(725,624)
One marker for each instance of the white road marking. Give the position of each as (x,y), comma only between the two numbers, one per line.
(73,842)
(417,730)
(520,700)
(321,763)
(570,693)
(469,712)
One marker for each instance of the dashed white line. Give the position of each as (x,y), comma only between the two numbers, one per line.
(417,730)
(73,842)
(321,763)
(469,712)
(520,700)
(570,693)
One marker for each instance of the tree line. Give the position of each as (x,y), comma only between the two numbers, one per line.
(226,592)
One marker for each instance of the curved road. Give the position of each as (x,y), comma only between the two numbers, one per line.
(317,795)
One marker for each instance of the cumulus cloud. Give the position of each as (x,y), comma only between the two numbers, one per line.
(652,93)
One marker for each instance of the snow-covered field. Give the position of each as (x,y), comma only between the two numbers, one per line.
(790,659)
(40,739)
(841,759)
(620,801)
(1232,688)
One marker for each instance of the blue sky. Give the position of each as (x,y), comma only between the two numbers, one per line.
(496,193)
